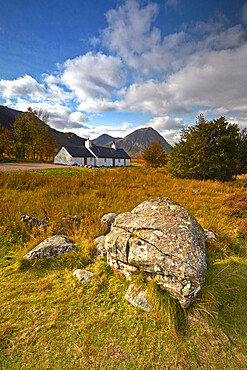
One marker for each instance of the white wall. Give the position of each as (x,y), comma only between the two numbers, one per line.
(63,157)
(127,162)
(119,162)
(80,161)
(101,162)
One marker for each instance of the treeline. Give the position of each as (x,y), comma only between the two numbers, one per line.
(29,139)
(215,150)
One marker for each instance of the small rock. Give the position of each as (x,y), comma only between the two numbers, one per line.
(51,247)
(73,219)
(83,276)
(138,297)
(100,246)
(210,235)
(107,220)
(195,191)
(33,221)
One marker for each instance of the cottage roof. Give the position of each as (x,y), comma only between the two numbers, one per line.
(123,154)
(78,151)
(103,152)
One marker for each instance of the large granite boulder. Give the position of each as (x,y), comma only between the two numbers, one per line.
(51,247)
(163,240)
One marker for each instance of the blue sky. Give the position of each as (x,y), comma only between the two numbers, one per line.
(113,66)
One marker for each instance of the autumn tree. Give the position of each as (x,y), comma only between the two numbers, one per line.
(23,134)
(5,142)
(208,150)
(32,137)
(154,154)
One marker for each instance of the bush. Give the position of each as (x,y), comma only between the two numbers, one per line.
(155,155)
(212,149)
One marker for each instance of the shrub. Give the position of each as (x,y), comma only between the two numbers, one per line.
(209,150)
(155,155)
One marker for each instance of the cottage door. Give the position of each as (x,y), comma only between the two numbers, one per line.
(85,161)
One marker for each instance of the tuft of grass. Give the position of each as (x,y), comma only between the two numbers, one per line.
(167,311)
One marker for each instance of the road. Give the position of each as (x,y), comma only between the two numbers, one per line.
(28,166)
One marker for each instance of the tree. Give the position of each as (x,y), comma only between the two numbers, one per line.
(22,134)
(5,141)
(32,137)
(155,155)
(208,150)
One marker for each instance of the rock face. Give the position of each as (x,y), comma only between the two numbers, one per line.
(51,247)
(163,240)
(83,276)
(138,297)
(100,246)
(107,220)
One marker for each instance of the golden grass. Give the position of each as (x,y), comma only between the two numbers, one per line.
(48,320)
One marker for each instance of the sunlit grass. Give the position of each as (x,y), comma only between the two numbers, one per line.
(49,320)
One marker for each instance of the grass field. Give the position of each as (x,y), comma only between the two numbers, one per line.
(48,320)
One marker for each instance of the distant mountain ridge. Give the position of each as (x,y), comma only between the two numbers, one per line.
(134,143)
(105,139)
(139,140)
(8,116)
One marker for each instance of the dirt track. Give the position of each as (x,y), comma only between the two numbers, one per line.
(28,166)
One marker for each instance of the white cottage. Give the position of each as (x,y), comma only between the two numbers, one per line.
(92,155)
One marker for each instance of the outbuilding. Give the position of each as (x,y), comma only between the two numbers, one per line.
(92,155)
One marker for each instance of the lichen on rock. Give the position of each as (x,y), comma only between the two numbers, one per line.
(51,247)
(162,239)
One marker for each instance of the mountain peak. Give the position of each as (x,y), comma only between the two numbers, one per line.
(140,139)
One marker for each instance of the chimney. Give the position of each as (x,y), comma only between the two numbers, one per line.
(113,145)
(88,143)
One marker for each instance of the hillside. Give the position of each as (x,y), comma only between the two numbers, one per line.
(139,140)
(105,139)
(8,116)
(134,143)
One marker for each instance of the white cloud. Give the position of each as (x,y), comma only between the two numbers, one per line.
(129,28)
(23,86)
(94,131)
(239,119)
(212,79)
(166,123)
(92,75)
(131,35)
(59,116)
